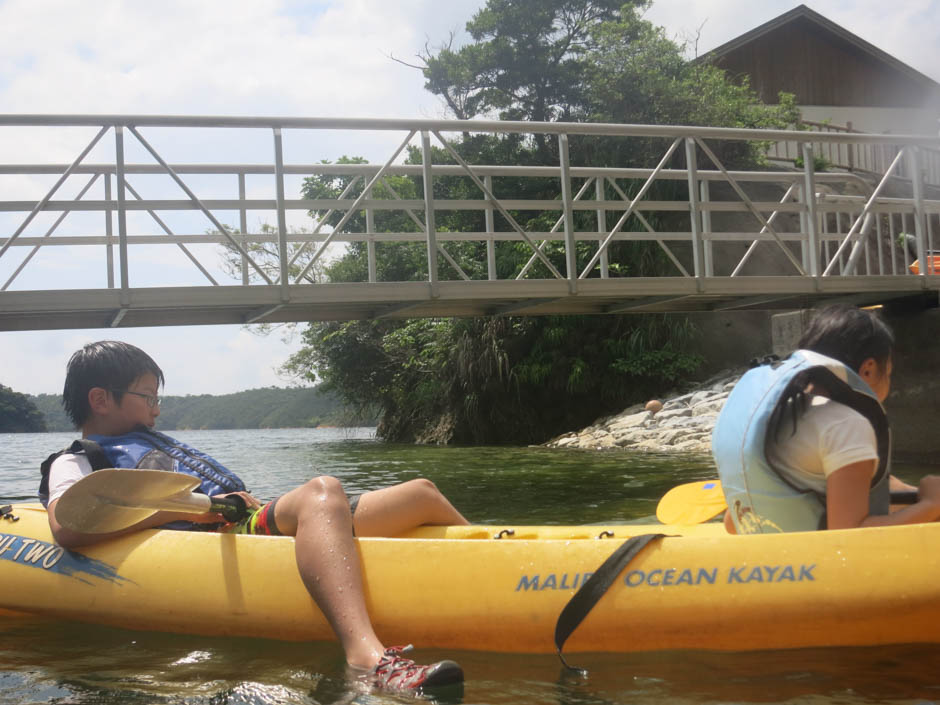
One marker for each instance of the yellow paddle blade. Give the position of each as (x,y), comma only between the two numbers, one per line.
(113,499)
(692,503)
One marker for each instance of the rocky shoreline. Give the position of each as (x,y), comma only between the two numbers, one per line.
(684,423)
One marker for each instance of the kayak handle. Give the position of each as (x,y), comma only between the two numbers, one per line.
(233,507)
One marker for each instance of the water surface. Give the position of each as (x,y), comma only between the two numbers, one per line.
(55,662)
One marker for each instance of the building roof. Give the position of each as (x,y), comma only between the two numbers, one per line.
(802,12)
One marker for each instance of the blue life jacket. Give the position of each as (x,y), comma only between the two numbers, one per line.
(763,499)
(146,449)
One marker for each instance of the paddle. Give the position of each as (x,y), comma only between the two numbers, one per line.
(697,502)
(113,499)
(692,503)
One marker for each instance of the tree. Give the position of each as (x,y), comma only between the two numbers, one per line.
(526,61)
(508,379)
(18,414)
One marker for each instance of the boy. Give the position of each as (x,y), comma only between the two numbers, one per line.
(111,395)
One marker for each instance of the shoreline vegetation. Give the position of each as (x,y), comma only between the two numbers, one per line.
(268,407)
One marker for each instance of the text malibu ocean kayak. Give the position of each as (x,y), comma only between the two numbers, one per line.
(461,588)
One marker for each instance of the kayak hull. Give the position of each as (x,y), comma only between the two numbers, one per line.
(438,587)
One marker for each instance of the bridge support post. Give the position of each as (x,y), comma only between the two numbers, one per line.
(243,225)
(490,230)
(370,231)
(121,212)
(707,229)
(108,232)
(571,254)
(429,226)
(695,211)
(917,181)
(599,184)
(283,255)
(811,249)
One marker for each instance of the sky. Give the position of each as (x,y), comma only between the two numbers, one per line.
(305,58)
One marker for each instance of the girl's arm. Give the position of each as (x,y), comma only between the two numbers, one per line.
(847,491)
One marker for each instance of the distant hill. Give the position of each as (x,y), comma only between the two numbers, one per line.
(269,407)
(18,414)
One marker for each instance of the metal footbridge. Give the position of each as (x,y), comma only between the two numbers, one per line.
(121,225)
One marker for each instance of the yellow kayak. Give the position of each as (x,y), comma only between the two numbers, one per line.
(463,588)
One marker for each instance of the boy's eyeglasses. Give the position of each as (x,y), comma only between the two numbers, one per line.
(152,401)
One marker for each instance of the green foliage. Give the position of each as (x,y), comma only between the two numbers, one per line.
(495,380)
(18,414)
(820,163)
(270,407)
(50,406)
(517,380)
(526,61)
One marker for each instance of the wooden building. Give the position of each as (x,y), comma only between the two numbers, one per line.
(836,76)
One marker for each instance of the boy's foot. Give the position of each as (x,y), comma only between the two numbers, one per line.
(397,673)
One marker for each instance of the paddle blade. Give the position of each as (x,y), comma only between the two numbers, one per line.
(113,499)
(691,503)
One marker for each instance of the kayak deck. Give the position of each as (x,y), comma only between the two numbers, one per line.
(461,588)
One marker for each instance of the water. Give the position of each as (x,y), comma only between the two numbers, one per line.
(55,662)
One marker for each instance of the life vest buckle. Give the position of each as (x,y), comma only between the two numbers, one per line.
(6,511)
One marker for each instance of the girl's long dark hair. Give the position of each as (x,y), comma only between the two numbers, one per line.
(845,333)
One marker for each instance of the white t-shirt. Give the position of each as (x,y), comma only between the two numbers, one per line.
(828,436)
(66,470)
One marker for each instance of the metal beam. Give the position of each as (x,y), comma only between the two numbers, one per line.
(640,303)
(527,305)
(256,315)
(842,215)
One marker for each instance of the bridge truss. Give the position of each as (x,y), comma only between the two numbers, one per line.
(133,230)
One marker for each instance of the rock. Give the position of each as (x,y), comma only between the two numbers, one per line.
(684,399)
(673,414)
(631,421)
(668,438)
(692,447)
(648,445)
(700,397)
(680,423)
(627,412)
(709,408)
(683,422)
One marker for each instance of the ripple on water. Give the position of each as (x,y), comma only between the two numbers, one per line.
(46,662)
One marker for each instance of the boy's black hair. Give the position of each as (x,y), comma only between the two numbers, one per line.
(850,335)
(109,364)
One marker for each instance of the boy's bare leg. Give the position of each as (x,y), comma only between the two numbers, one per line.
(317,514)
(390,511)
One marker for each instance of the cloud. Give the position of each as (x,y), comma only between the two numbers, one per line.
(251,57)
(268,57)
(194,359)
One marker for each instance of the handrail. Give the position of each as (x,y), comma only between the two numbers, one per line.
(432,125)
(764,233)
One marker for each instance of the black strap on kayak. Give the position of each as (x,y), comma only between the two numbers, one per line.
(593,589)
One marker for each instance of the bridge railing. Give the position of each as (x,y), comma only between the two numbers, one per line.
(132,185)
